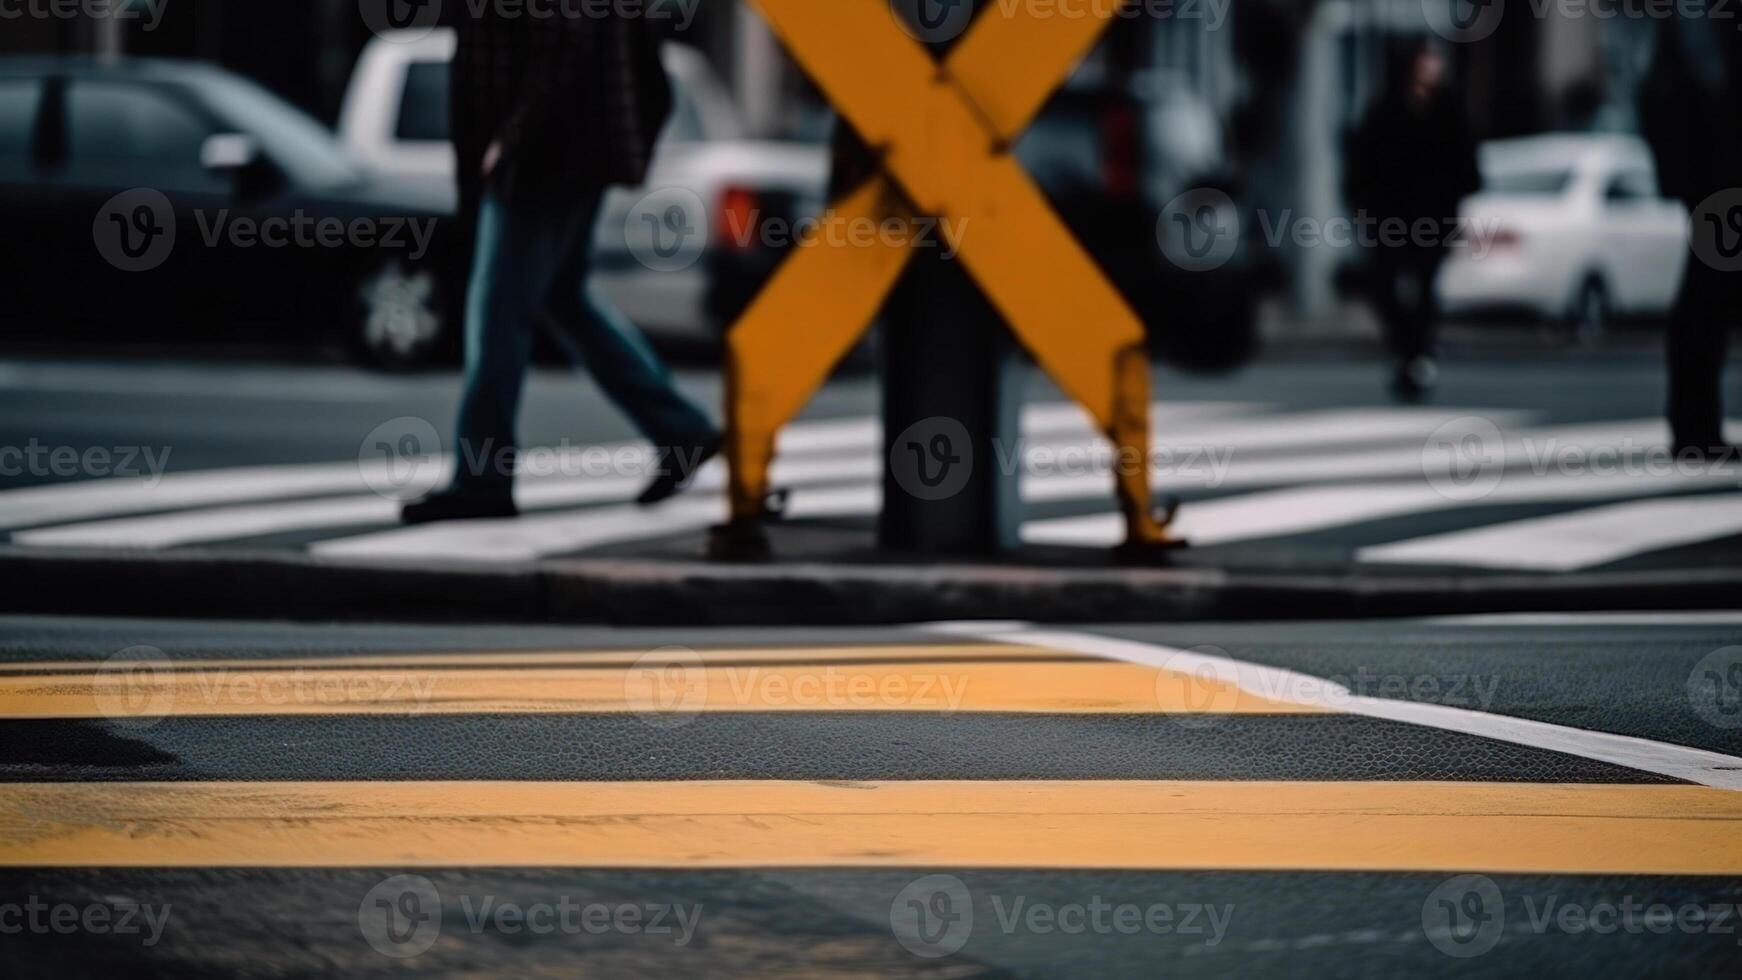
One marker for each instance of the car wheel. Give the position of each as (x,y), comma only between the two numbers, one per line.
(402,315)
(1588,320)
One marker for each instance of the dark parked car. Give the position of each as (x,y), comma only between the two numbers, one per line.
(1114,157)
(168,200)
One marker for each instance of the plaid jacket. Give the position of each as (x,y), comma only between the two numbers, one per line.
(576,101)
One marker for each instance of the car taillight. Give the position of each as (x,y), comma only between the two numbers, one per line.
(1493,240)
(740,212)
(1119,150)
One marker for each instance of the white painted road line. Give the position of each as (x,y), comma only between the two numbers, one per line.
(540,492)
(1565,542)
(244,503)
(829,481)
(1665,759)
(83,500)
(215,524)
(66,509)
(53,509)
(1041,421)
(1182,473)
(1297,510)
(164,380)
(534,536)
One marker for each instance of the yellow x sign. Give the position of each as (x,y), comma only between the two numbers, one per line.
(944,133)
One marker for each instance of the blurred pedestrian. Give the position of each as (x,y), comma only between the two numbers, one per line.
(548,113)
(1691,114)
(1410,162)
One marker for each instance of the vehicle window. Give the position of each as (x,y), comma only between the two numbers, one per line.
(18,101)
(108,121)
(305,149)
(686,119)
(702,110)
(1545,182)
(1631,185)
(423,108)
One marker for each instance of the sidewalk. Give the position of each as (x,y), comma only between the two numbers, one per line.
(841,587)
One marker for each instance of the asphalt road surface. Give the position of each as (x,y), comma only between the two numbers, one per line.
(1515,796)
(1528,460)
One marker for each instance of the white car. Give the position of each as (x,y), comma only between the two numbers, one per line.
(395,118)
(1568,227)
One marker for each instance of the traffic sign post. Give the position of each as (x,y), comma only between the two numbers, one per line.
(951,407)
(942,133)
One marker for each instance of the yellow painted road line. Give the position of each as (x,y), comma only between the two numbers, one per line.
(677,683)
(579,658)
(1161,825)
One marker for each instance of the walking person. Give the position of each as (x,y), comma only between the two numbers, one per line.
(1690,110)
(1411,162)
(548,113)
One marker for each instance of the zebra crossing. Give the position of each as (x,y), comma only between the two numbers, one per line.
(1468,487)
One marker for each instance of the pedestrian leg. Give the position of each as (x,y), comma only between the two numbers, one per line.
(519,250)
(616,354)
(1696,341)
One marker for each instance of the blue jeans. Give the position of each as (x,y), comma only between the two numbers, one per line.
(531,268)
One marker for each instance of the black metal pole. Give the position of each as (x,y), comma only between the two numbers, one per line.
(951,401)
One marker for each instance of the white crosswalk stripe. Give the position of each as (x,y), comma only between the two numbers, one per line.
(1564,542)
(61,503)
(92,500)
(1274,513)
(1196,436)
(1251,474)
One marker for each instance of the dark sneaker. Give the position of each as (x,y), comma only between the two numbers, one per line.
(677,467)
(458,505)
